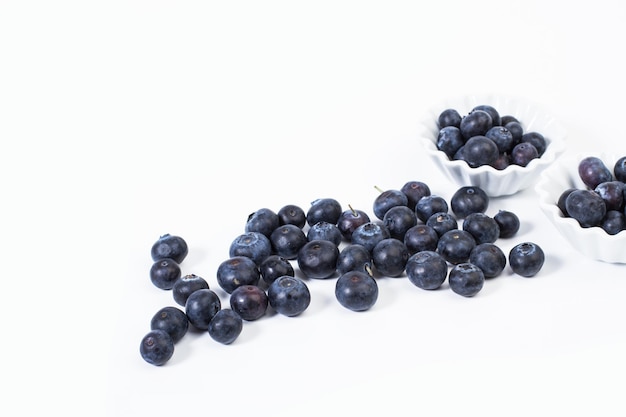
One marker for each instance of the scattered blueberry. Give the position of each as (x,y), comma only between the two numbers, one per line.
(324,210)
(226,326)
(157,347)
(237,271)
(356,291)
(442,222)
(388,199)
(353,257)
(414,191)
(164,273)
(172,320)
(186,285)
(249,302)
(349,220)
(398,220)
(263,221)
(389,257)
(466,279)
(526,259)
(455,246)
(369,234)
(420,238)
(254,245)
(482,227)
(169,246)
(489,258)
(292,214)
(325,231)
(318,259)
(508,222)
(201,306)
(273,267)
(469,199)
(427,270)
(286,240)
(289,296)
(429,205)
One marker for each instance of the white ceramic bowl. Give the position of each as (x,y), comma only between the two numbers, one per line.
(593,242)
(495,182)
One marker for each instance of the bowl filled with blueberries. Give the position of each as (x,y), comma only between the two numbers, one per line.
(498,143)
(583,196)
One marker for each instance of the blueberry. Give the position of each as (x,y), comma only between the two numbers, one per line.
(526,259)
(420,238)
(350,220)
(562,199)
(254,245)
(483,227)
(537,140)
(172,320)
(201,306)
(476,123)
(164,273)
(516,129)
(489,258)
(429,205)
(318,259)
(292,214)
(263,221)
(455,246)
(324,210)
(388,199)
(353,257)
(398,220)
(169,246)
(427,270)
(289,296)
(186,285)
(619,169)
(466,279)
(157,347)
(592,171)
(467,200)
(249,302)
(495,115)
(226,326)
(369,234)
(503,161)
(523,153)
(614,222)
(480,150)
(508,118)
(502,137)
(414,191)
(586,206)
(612,192)
(237,271)
(389,257)
(325,231)
(449,117)
(442,222)
(449,141)
(356,291)
(273,267)
(286,240)
(508,222)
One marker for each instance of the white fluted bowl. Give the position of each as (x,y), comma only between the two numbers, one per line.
(495,182)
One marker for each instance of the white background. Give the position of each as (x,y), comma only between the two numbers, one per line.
(124,120)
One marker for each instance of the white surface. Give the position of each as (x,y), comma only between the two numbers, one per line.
(121,121)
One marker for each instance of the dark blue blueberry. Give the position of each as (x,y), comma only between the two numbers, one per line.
(350,220)
(237,271)
(619,169)
(586,206)
(466,279)
(561,201)
(429,205)
(157,347)
(263,221)
(353,257)
(427,270)
(186,285)
(614,222)
(449,141)
(503,161)
(612,192)
(325,231)
(467,200)
(483,227)
(489,258)
(286,240)
(420,238)
(289,296)
(388,199)
(537,140)
(292,214)
(324,210)
(517,131)
(249,302)
(254,245)
(502,137)
(526,259)
(523,153)
(356,291)
(318,259)
(275,266)
(476,123)
(508,222)
(201,306)
(369,234)
(592,171)
(455,246)
(226,326)
(495,115)
(398,220)
(442,222)
(172,320)
(508,118)
(449,117)
(414,191)
(390,256)
(479,151)
(164,273)
(169,246)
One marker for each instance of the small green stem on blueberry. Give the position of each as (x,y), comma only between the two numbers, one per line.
(379,189)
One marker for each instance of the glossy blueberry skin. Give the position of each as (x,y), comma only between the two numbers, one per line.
(263,221)
(275,266)
(489,258)
(442,222)
(479,151)
(503,161)
(429,205)
(455,246)
(236,271)
(449,117)
(467,200)
(324,210)
(369,234)
(619,169)
(353,257)
(249,302)
(586,206)
(289,296)
(169,246)
(466,279)
(592,171)
(201,306)
(493,112)
(502,137)
(254,245)
(356,291)
(526,259)
(523,153)
(482,227)
(325,231)
(476,123)
(186,285)
(350,220)
(390,256)
(164,273)
(508,118)
(612,192)
(614,222)
(537,140)
(226,326)
(388,199)
(427,270)
(517,131)
(398,220)
(318,259)
(286,240)
(561,201)
(172,320)
(420,238)
(157,347)
(292,214)
(508,222)
(414,191)
(449,140)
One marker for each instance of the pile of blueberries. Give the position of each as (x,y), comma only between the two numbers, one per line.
(484,137)
(603,202)
(414,233)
